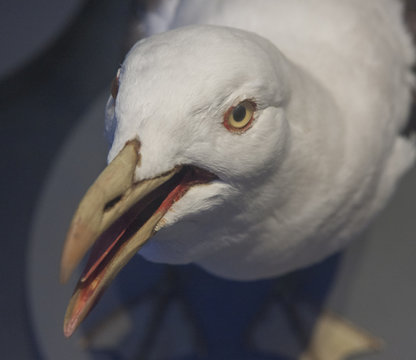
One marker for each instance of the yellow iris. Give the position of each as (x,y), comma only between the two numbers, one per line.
(240,116)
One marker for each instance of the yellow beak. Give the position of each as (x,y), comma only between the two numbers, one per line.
(107,218)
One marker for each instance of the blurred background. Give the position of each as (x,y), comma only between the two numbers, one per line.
(56,57)
(57,60)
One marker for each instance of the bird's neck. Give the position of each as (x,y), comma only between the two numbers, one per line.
(315,148)
(316,123)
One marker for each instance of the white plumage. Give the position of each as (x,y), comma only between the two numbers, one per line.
(332,83)
(325,87)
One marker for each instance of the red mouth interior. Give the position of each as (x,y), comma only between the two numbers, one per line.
(89,287)
(160,199)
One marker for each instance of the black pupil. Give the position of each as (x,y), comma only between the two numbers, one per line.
(239,113)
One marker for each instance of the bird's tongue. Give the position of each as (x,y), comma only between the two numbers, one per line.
(123,239)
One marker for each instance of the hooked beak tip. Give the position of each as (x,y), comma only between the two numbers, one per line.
(69,328)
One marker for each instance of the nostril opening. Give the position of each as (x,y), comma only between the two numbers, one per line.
(111,203)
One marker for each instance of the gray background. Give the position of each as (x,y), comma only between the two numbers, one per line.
(51,96)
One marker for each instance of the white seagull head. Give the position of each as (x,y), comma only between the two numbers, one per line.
(199,130)
(208,97)
(175,90)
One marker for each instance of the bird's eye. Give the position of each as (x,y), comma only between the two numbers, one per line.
(115,85)
(239,118)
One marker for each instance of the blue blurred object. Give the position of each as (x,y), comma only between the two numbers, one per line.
(216,318)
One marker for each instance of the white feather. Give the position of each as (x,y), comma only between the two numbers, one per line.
(332,84)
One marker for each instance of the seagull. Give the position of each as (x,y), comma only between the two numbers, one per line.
(251,140)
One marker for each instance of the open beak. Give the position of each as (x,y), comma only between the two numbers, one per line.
(115,218)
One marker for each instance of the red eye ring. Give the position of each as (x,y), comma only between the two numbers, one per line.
(239,118)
